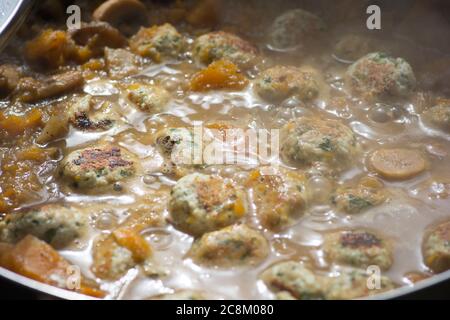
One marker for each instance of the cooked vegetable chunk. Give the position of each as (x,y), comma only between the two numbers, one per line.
(358,248)
(37,260)
(51,48)
(378,74)
(398,163)
(202,203)
(123,14)
(220,74)
(55,224)
(14,125)
(98,166)
(236,245)
(96,36)
(436,248)
(55,128)
(281,82)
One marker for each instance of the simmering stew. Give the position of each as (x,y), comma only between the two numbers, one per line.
(226,149)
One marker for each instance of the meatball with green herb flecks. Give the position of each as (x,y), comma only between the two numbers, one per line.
(223,45)
(358,248)
(353,283)
(294,28)
(291,279)
(148,98)
(436,248)
(295,280)
(158,42)
(236,245)
(379,75)
(97,166)
(369,192)
(55,224)
(306,140)
(281,82)
(438,116)
(202,203)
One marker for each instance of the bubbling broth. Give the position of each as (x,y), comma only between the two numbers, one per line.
(88,168)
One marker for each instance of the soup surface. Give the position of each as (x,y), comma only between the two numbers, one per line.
(128,149)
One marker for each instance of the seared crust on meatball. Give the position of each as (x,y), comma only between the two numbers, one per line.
(88,114)
(236,245)
(177,147)
(99,166)
(202,203)
(218,45)
(436,248)
(378,74)
(306,140)
(158,42)
(358,248)
(56,224)
(279,197)
(281,82)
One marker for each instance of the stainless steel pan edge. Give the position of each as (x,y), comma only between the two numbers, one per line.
(70,295)
(42,287)
(12,15)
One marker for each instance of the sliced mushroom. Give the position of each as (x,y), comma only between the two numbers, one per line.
(9,77)
(97,35)
(56,127)
(126,15)
(32,90)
